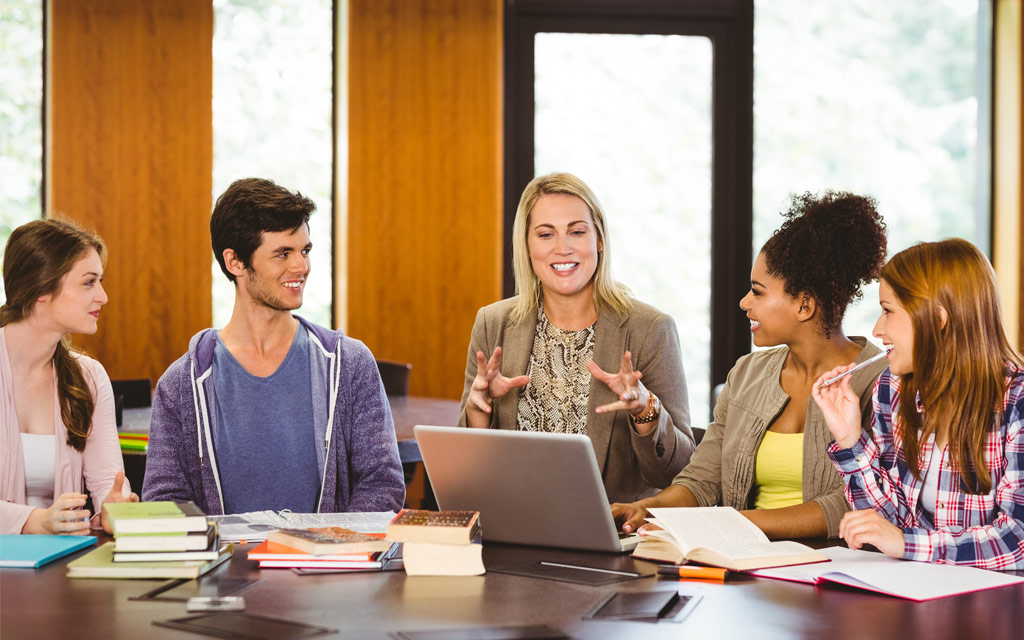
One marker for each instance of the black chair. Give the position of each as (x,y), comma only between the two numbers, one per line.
(395,376)
(132,394)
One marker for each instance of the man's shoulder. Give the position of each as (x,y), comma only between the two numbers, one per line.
(334,341)
(200,352)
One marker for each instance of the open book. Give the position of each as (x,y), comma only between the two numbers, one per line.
(255,525)
(718,536)
(901,578)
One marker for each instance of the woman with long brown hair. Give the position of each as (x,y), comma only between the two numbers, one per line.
(941,478)
(56,405)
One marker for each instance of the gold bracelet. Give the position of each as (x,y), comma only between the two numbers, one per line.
(651,412)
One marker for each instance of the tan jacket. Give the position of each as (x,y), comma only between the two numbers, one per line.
(722,469)
(633,466)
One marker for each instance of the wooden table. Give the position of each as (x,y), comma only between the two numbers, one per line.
(44,604)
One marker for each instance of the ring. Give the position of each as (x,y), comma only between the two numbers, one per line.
(634,395)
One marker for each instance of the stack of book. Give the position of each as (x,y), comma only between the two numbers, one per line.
(133,441)
(334,548)
(154,540)
(439,543)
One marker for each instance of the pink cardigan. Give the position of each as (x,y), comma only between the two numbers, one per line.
(99,463)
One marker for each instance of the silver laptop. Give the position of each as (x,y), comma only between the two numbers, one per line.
(530,488)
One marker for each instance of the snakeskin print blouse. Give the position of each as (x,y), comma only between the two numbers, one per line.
(556,398)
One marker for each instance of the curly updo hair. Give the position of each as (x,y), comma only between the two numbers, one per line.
(829,247)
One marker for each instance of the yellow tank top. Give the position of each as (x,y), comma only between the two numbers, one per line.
(778,470)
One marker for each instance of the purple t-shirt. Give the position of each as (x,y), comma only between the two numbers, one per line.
(264,436)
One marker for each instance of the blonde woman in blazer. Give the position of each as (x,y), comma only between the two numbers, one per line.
(525,366)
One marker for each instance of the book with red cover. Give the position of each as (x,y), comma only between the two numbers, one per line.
(329,540)
(270,550)
(273,555)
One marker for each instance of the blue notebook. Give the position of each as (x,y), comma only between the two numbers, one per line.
(32,551)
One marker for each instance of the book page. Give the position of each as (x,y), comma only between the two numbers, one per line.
(694,527)
(880,573)
(767,550)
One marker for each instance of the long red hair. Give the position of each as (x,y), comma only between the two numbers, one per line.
(960,364)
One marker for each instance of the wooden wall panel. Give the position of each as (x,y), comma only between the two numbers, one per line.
(1008,164)
(424,181)
(131,155)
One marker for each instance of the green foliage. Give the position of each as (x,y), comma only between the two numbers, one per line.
(21,129)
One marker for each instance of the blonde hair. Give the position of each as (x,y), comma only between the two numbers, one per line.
(959,367)
(38,256)
(609,295)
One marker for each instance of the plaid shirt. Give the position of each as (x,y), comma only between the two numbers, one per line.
(985,531)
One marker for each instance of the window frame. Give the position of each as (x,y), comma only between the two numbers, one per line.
(729,24)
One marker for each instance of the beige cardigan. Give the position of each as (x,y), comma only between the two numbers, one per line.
(722,469)
(633,466)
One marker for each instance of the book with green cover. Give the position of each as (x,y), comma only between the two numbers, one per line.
(156,517)
(175,541)
(99,563)
(33,551)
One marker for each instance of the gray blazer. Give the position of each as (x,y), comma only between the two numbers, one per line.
(633,466)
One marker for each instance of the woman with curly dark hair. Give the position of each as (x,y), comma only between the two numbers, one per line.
(764,453)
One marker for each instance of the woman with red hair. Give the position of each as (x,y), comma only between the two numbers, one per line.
(941,478)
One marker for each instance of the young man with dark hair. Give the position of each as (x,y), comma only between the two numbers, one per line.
(272,411)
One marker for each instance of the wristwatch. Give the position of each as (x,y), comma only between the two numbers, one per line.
(652,411)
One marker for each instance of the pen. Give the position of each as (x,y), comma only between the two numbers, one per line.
(579,568)
(700,573)
(875,358)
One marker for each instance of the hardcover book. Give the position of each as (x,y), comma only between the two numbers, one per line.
(717,536)
(156,517)
(329,540)
(270,550)
(167,556)
(438,559)
(99,563)
(33,551)
(164,542)
(440,527)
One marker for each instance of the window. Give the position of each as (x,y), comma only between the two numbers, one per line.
(272,114)
(606,104)
(889,99)
(21,115)
(649,103)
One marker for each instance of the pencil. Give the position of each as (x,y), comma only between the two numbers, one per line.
(875,358)
(699,573)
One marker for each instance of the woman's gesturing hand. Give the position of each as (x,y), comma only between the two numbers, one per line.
(625,384)
(488,385)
